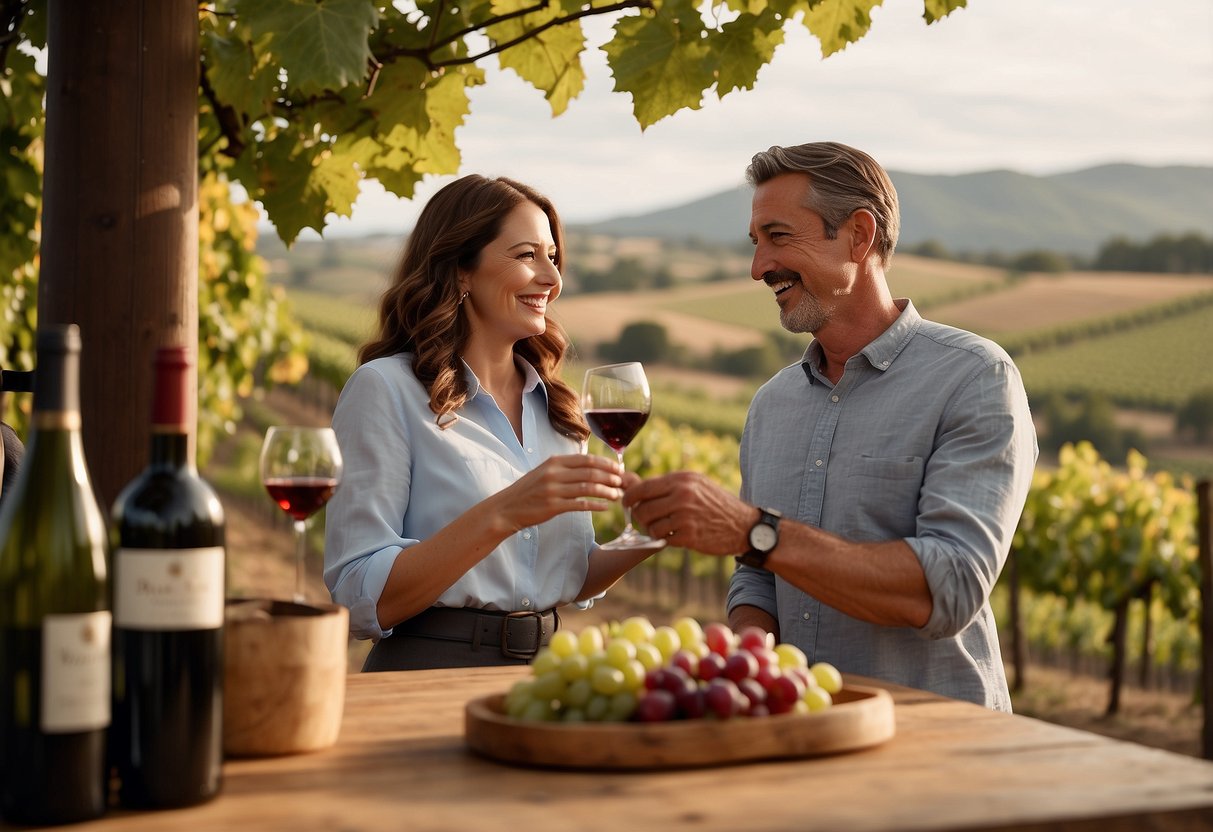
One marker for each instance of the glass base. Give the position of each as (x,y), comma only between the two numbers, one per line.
(634,541)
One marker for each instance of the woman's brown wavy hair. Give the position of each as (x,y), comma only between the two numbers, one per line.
(419,312)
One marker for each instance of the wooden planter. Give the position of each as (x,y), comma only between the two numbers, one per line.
(284,683)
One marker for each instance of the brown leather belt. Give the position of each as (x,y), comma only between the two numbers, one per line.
(519,635)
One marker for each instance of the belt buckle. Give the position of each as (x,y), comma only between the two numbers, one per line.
(529,653)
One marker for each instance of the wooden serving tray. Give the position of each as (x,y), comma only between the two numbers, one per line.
(860,717)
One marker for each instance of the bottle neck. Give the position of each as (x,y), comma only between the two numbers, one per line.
(171,408)
(170,446)
(57,390)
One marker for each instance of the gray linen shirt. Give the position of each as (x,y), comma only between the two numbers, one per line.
(927,437)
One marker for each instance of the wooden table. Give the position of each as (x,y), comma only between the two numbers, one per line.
(401,763)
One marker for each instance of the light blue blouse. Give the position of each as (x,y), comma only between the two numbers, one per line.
(406,478)
(927,437)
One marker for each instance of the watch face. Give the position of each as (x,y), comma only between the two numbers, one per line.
(763,537)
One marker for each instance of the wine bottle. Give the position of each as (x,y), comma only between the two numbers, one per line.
(54,611)
(168,528)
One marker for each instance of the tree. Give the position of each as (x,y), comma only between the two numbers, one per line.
(1089,417)
(639,341)
(1197,415)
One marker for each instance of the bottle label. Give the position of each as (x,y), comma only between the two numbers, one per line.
(168,589)
(76,672)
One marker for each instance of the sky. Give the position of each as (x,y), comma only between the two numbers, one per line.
(1037,86)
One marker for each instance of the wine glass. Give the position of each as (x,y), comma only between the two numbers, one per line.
(300,468)
(616,401)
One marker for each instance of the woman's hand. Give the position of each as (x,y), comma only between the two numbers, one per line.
(577,482)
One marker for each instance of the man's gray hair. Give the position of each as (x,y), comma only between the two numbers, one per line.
(842,180)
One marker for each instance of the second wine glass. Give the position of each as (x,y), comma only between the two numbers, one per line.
(300,468)
(616,401)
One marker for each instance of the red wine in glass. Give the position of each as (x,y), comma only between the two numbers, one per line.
(616,427)
(616,401)
(300,468)
(301,497)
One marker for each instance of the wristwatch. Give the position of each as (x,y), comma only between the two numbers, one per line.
(764,536)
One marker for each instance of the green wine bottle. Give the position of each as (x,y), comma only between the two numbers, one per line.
(54,611)
(167,738)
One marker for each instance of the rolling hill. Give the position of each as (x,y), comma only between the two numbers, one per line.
(993,210)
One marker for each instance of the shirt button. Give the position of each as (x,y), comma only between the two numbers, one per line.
(526,535)
(833,398)
(530,450)
(819,463)
(805,616)
(526,602)
(884,363)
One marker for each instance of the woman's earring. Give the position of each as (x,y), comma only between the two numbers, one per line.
(462,298)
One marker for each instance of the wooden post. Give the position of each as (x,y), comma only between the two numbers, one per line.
(1116,673)
(1147,636)
(120,208)
(1204,525)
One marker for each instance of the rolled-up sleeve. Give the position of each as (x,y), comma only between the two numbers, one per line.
(365,518)
(755,588)
(973,492)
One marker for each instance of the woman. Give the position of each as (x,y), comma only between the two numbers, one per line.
(462,520)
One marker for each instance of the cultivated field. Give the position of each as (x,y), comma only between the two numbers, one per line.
(594,318)
(702,317)
(1044,301)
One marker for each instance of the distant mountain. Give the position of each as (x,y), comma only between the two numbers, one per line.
(993,210)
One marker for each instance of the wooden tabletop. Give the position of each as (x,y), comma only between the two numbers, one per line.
(401,763)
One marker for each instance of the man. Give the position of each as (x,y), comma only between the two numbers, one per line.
(899,452)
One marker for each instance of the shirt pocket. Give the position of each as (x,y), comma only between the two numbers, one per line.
(882,497)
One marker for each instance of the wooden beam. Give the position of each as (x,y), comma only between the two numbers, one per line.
(120,208)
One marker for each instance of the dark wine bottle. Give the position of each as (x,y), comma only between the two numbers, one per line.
(167,738)
(54,611)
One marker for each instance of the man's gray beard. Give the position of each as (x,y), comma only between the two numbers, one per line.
(806,316)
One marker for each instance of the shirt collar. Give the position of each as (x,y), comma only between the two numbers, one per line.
(882,351)
(530,378)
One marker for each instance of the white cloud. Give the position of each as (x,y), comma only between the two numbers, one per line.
(1035,85)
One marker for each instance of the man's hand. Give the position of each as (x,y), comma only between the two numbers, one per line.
(690,510)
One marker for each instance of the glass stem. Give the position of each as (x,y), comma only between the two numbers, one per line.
(627,510)
(300,560)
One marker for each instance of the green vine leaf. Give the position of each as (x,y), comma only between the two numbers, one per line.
(549,61)
(743,47)
(322,46)
(239,79)
(839,23)
(662,59)
(286,187)
(934,10)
